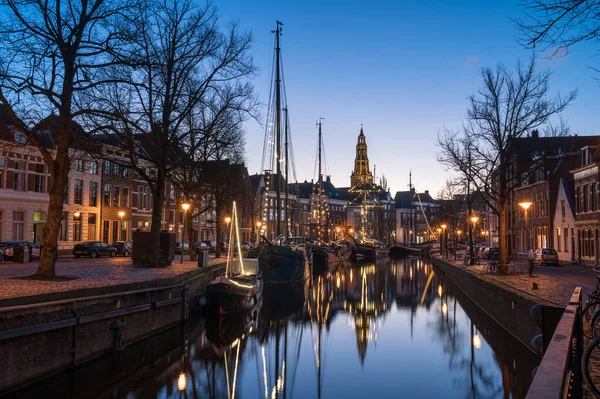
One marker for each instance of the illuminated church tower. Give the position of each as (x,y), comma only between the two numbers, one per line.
(362,174)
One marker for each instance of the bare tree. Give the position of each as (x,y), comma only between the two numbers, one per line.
(558,25)
(51,56)
(177,60)
(507,106)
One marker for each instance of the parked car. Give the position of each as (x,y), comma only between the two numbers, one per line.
(123,248)
(546,256)
(94,249)
(201,246)
(186,248)
(212,245)
(8,248)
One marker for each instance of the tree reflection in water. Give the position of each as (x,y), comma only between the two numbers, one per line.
(400,318)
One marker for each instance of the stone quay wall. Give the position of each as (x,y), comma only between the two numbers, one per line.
(509,306)
(41,339)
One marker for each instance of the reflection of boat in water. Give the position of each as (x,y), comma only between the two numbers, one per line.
(223,331)
(241,285)
(319,307)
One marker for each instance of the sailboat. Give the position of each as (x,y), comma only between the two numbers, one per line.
(323,255)
(240,288)
(277,261)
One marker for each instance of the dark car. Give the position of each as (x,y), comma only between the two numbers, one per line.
(123,248)
(8,248)
(212,245)
(94,249)
(186,248)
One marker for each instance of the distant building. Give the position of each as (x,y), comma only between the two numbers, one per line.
(564,222)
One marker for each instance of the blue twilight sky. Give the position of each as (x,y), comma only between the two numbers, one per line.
(402,68)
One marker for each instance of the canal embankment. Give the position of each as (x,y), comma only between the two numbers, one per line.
(529,312)
(50,326)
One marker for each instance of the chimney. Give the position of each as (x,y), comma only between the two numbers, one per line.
(427,192)
(328,179)
(535,134)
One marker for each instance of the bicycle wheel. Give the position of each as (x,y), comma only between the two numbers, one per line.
(595,324)
(591,361)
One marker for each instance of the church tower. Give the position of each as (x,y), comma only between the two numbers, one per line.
(362,174)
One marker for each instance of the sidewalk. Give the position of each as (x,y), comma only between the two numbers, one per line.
(550,289)
(86,274)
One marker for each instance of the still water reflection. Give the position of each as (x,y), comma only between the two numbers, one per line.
(392,329)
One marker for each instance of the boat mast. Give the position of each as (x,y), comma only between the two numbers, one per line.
(319,210)
(278,124)
(286,225)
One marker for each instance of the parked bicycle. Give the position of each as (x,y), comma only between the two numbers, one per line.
(467,260)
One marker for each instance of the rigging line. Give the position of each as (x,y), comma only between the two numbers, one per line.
(424,215)
(267,156)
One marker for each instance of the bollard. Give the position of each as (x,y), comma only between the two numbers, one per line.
(535,286)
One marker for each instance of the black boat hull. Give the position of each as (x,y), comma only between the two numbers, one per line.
(233,295)
(280,264)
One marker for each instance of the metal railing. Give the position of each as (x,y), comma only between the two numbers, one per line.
(559,373)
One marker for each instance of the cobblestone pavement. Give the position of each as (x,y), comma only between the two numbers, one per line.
(549,288)
(86,273)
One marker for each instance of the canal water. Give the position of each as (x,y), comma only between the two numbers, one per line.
(394,329)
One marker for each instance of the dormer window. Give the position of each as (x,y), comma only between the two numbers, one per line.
(20,138)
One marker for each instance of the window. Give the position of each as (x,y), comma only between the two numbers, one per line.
(125,198)
(171,217)
(107,167)
(63,235)
(93,168)
(91,227)
(79,165)
(66,201)
(20,177)
(40,168)
(558,238)
(77,226)
(39,184)
(106,195)
(566,238)
(20,138)
(105,228)
(562,210)
(117,169)
(93,193)
(116,198)
(18,226)
(115,231)
(78,193)
(124,172)
(171,194)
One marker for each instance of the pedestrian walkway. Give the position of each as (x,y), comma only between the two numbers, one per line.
(550,289)
(86,274)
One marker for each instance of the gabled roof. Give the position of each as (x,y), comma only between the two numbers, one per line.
(566,186)
(404,199)
(47,129)
(425,197)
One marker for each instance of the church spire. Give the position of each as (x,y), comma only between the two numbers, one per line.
(362,173)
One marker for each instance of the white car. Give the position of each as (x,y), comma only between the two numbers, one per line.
(546,256)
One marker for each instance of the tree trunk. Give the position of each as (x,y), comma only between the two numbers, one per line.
(189,223)
(60,178)
(158,197)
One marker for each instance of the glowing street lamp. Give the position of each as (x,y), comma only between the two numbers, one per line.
(185,207)
(525,205)
(121,214)
(445,240)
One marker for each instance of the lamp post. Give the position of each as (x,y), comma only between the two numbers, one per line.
(439,230)
(121,214)
(227,220)
(445,241)
(458,232)
(258,224)
(185,207)
(474,219)
(525,205)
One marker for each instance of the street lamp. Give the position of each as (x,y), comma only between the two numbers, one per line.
(445,240)
(185,207)
(525,205)
(258,224)
(121,214)
(455,247)
(227,220)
